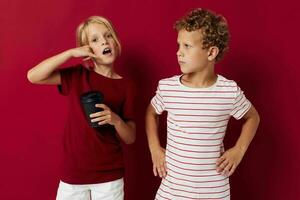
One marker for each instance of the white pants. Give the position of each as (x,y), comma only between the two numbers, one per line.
(113,190)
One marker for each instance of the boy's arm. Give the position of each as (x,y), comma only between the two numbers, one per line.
(157,152)
(228,162)
(46,72)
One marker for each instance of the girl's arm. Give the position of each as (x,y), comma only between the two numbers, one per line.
(46,72)
(157,152)
(126,130)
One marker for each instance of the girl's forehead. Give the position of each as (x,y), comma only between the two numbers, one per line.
(96,28)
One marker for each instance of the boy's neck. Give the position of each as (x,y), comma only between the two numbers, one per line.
(201,79)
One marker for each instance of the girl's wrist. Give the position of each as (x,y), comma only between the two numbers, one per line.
(118,121)
(69,53)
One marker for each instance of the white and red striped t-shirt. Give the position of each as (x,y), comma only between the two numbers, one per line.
(197,121)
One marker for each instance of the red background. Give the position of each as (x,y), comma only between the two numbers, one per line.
(263,59)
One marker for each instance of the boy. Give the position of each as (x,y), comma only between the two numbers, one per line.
(199,104)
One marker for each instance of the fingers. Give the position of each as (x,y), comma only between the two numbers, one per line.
(160,170)
(105,111)
(89,52)
(99,114)
(154,170)
(107,121)
(159,164)
(103,117)
(222,165)
(103,106)
(98,119)
(232,170)
(88,58)
(226,170)
(220,160)
(164,169)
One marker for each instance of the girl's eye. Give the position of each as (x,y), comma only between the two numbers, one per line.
(109,35)
(94,40)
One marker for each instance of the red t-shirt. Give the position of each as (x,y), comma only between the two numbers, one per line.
(93,155)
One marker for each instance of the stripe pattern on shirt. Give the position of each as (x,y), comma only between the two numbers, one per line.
(196,124)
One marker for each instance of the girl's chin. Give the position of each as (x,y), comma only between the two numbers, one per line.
(106,61)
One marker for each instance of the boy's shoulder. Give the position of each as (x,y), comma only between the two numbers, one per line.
(173,80)
(223,81)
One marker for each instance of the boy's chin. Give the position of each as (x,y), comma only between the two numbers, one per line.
(185,71)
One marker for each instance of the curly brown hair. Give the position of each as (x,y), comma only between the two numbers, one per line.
(214,29)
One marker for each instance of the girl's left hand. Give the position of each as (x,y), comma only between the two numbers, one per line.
(105,117)
(229,161)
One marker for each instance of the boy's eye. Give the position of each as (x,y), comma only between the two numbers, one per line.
(187,45)
(94,40)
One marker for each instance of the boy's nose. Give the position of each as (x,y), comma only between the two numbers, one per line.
(179,53)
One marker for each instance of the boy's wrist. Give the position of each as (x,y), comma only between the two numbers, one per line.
(154,147)
(241,148)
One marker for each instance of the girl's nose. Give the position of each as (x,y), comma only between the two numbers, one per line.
(104,42)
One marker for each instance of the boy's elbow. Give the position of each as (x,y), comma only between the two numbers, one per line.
(257,117)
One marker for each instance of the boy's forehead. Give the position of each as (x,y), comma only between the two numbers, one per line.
(192,36)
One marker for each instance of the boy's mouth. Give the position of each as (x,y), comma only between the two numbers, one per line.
(106,51)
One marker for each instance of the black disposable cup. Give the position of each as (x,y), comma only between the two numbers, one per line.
(88,101)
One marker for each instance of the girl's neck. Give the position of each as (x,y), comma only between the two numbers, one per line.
(106,70)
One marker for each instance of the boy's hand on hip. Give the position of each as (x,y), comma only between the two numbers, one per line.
(159,162)
(229,161)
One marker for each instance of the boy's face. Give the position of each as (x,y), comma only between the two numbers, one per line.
(191,56)
(102,43)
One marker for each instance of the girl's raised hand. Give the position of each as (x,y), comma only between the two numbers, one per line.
(84,51)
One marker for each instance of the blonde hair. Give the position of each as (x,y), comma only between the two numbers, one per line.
(81,38)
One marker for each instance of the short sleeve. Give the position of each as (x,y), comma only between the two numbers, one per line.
(240,105)
(130,102)
(67,75)
(157,101)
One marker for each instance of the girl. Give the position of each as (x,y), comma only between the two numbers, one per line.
(92,164)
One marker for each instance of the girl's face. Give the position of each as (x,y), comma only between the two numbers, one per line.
(101,41)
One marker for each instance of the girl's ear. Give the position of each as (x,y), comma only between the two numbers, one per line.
(212,53)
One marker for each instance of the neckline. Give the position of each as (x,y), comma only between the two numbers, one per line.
(198,88)
(105,77)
